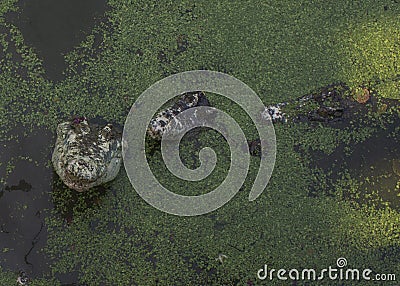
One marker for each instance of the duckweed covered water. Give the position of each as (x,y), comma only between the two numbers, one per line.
(282,50)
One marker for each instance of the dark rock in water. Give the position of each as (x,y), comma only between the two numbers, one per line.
(86,156)
(161,122)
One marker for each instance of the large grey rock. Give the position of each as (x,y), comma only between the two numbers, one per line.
(85,156)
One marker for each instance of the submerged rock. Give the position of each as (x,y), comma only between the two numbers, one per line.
(85,156)
(161,122)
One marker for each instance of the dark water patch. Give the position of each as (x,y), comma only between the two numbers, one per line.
(88,53)
(10,53)
(35,145)
(25,202)
(370,163)
(55,27)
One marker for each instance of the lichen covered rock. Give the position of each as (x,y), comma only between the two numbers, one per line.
(85,156)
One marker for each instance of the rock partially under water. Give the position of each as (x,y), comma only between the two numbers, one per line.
(86,156)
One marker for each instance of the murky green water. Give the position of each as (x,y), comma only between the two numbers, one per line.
(283,50)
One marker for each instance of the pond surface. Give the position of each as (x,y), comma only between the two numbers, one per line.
(55,27)
(29,193)
(370,162)
(52,28)
(24,202)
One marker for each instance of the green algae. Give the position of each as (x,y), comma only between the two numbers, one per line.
(282,50)
(371,48)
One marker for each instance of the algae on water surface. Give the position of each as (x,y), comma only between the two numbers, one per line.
(282,50)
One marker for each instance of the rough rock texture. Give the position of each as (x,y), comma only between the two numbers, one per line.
(85,156)
(160,123)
